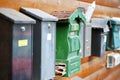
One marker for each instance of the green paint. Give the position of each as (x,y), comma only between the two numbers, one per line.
(68,43)
(113,36)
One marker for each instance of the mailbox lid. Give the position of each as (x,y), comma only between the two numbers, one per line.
(100,23)
(15,16)
(69,16)
(115,21)
(39,14)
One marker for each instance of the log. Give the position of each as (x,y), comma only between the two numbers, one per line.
(95,69)
(105,74)
(110,3)
(53,5)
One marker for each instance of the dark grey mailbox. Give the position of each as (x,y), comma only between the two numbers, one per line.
(99,30)
(15,45)
(44,44)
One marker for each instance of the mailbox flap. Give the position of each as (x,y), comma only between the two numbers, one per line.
(15,16)
(115,21)
(100,23)
(74,43)
(36,13)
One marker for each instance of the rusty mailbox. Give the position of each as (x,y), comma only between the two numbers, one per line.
(15,45)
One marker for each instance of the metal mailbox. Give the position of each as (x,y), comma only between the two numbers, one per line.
(43,43)
(67,40)
(15,45)
(85,40)
(99,31)
(113,37)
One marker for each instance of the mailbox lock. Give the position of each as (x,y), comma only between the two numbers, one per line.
(22,28)
(49,26)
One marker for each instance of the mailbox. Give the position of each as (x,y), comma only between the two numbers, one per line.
(113,37)
(43,43)
(113,59)
(15,45)
(67,40)
(99,31)
(85,40)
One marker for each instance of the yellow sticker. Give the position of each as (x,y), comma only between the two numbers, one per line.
(75,27)
(22,43)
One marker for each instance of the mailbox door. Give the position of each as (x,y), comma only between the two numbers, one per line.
(82,36)
(103,44)
(73,40)
(116,37)
(22,52)
(74,43)
(48,36)
(109,41)
(87,42)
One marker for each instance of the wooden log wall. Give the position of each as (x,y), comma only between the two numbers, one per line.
(53,5)
(109,3)
(92,68)
(95,69)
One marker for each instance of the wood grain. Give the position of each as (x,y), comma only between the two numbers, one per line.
(58,5)
(105,74)
(95,69)
(110,3)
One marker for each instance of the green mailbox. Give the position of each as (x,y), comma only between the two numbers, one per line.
(113,37)
(67,40)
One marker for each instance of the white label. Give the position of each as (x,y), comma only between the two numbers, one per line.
(49,36)
(105,38)
(72,33)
